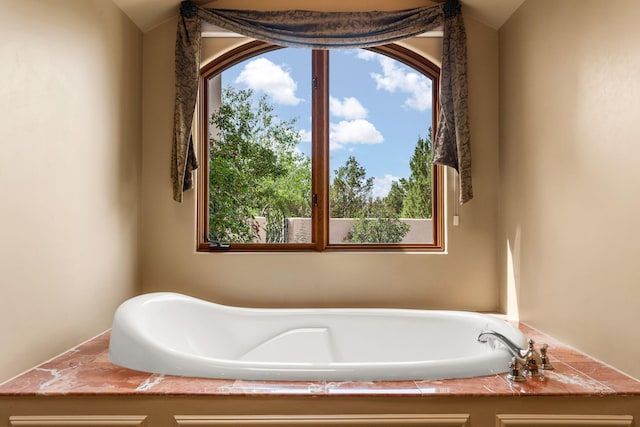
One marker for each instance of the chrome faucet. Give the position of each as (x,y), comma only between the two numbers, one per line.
(511,346)
(528,359)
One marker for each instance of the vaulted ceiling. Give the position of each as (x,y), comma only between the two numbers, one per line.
(147,14)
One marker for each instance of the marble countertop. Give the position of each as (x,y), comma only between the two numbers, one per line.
(86,370)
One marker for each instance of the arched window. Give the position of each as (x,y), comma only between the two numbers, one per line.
(318,150)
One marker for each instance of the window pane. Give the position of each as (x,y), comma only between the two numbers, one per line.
(260,150)
(380,150)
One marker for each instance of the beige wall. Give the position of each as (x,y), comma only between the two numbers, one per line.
(70,173)
(570,175)
(465,278)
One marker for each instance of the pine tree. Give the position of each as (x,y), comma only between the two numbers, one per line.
(350,191)
(417,202)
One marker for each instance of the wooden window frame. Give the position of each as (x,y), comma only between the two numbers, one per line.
(320,155)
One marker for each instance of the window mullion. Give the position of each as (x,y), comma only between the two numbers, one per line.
(320,147)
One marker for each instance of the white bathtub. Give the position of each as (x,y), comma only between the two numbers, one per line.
(174,334)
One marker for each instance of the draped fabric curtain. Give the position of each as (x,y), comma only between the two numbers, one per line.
(328,30)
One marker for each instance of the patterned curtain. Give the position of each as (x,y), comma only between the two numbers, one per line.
(451,146)
(328,30)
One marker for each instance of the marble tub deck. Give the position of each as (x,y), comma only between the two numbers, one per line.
(86,370)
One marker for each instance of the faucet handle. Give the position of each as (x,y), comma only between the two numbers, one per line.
(515,374)
(545,364)
(533,361)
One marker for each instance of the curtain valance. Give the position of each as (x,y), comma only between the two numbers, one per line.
(328,30)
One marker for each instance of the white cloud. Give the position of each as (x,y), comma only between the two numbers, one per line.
(367,55)
(397,79)
(305,135)
(263,75)
(381,186)
(349,108)
(357,131)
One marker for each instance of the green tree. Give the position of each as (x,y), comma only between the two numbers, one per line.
(417,200)
(383,226)
(395,199)
(286,196)
(254,170)
(350,197)
(350,191)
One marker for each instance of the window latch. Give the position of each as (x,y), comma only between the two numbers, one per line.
(314,200)
(314,83)
(215,244)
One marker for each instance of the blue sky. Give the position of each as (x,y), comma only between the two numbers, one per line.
(378,106)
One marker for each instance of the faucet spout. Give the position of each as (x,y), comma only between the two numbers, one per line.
(511,346)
